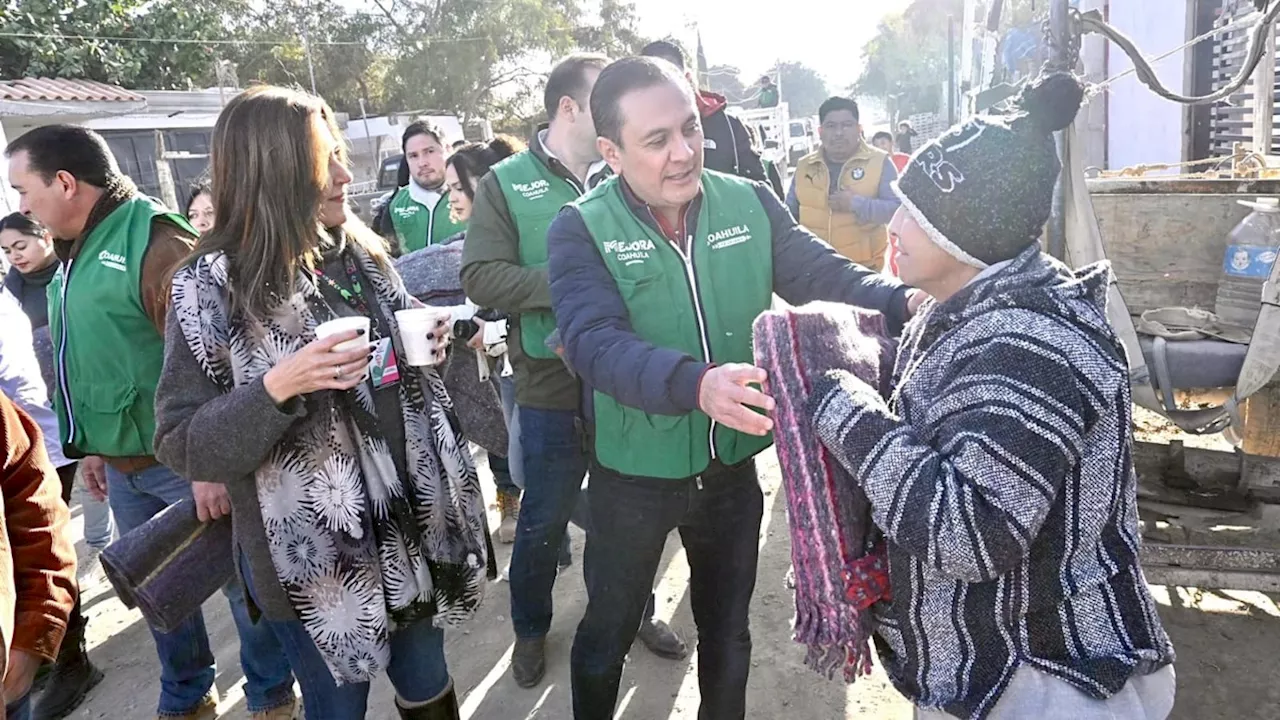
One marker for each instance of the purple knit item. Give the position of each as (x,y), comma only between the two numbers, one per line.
(835,572)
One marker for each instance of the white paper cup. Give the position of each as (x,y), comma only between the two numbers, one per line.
(414,324)
(346,324)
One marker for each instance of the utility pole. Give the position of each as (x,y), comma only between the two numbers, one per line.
(368,138)
(1059,27)
(952,75)
(306,46)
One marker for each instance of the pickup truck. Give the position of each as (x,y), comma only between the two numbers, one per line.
(393,175)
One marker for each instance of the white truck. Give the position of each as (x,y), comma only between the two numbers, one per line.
(773,127)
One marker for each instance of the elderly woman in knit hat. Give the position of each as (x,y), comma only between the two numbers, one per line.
(1001,470)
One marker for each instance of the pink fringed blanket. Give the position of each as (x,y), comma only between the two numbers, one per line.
(837,572)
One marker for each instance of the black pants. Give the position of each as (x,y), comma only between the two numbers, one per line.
(76,622)
(719,525)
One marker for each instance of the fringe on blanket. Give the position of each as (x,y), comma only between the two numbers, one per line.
(837,571)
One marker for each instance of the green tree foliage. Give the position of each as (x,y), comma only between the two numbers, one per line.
(726,80)
(803,89)
(348,53)
(615,33)
(470,57)
(56,38)
(906,62)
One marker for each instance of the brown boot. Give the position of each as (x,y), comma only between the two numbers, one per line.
(509,506)
(283,712)
(206,710)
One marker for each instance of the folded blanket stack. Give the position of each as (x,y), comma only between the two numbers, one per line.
(838,568)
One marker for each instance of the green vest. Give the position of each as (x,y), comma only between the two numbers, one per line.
(417,225)
(534,197)
(108,354)
(702,305)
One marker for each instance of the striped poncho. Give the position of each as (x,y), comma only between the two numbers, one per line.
(1001,475)
(837,570)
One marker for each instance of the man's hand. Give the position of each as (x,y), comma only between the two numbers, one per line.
(93,470)
(724,396)
(212,500)
(915,298)
(477,341)
(19,674)
(841,201)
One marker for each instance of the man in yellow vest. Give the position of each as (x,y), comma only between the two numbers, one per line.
(842,193)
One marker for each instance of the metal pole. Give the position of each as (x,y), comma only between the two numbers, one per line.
(373,149)
(311,68)
(951,71)
(164,174)
(1056,231)
(306,46)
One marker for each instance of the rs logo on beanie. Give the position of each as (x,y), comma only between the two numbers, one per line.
(982,191)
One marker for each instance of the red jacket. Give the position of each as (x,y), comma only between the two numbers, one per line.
(37,558)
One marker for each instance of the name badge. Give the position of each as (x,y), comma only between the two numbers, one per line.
(383,370)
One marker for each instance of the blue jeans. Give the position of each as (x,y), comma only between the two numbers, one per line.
(99,528)
(19,709)
(418,670)
(511,413)
(186,663)
(554,467)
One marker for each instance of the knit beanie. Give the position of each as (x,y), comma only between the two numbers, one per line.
(982,191)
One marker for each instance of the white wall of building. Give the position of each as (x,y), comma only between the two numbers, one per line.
(1143,128)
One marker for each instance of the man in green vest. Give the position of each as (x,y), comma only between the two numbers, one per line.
(504,266)
(656,276)
(419,211)
(107,308)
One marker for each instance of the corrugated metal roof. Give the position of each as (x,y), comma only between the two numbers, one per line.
(55,89)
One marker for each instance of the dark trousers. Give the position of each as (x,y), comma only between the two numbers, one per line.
(719,525)
(76,622)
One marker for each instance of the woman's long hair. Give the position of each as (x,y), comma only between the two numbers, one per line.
(472,161)
(269,172)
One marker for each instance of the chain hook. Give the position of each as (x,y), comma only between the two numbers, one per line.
(1064,53)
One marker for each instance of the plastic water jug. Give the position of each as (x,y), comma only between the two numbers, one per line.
(1251,251)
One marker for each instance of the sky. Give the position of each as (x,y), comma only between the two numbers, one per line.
(827,35)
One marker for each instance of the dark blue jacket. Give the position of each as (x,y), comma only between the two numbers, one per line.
(595,328)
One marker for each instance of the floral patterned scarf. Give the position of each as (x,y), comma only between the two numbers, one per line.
(358,547)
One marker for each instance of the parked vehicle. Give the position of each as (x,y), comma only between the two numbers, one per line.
(773,127)
(392,175)
(801,140)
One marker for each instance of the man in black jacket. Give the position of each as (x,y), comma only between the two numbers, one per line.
(726,145)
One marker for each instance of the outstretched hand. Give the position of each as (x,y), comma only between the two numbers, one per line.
(724,395)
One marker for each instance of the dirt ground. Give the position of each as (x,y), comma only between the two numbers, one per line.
(1227,645)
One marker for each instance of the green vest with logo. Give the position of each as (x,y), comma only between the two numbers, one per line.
(534,197)
(702,303)
(108,354)
(417,225)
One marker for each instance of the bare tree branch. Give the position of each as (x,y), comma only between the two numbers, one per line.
(386,10)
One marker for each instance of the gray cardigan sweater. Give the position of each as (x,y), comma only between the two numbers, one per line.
(205,435)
